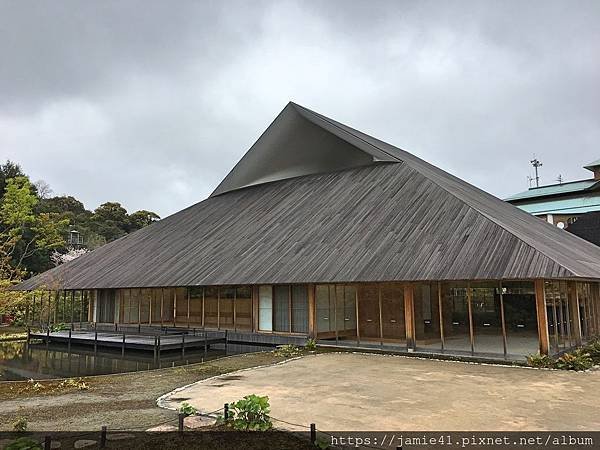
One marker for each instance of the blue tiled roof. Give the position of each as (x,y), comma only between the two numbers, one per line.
(555,189)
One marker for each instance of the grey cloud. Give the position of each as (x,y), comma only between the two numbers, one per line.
(151,103)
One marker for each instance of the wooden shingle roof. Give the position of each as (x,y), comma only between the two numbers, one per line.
(382,214)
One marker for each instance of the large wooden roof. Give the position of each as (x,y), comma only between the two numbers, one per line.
(381,214)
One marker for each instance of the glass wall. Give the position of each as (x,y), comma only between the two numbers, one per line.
(265,308)
(226,298)
(181,306)
(392,313)
(299,309)
(558,314)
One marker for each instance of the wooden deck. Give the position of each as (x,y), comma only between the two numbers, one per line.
(133,341)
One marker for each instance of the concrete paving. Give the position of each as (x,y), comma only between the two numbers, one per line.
(349,391)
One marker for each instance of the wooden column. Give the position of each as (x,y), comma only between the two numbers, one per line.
(255,301)
(470,307)
(409,315)
(574,311)
(312,312)
(542,317)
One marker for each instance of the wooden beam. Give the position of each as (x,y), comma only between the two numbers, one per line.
(574,311)
(409,315)
(542,317)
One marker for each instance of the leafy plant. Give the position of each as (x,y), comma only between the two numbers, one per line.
(577,360)
(288,351)
(23,443)
(593,348)
(187,409)
(311,345)
(322,444)
(541,361)
(20,424)
(250,414)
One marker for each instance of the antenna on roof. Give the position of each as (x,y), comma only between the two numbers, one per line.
(559,179)
(529,181)
(536,163)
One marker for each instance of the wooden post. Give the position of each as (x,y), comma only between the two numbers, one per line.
(47,442)
(441,314)
(69,344)
(234,302)
(356,317)
(503,321)
(95,340)
(158,347)
(312,312)
(183,344)
(203,312)
(313,433)
(542,317)
(409,316)
(380,315)
(139,309)
(72,307)
(103,437)
(470,308)
(174,307)
(47,337)
(574,311)
(123,346)
(188,307)
(155,345)
(162,305)
(180,422)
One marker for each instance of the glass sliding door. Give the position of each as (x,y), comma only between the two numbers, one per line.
(392,313)
(299,309)
(368,313)
(427,317)
(196,297)
(168,306)
(325,312)
(226,298)
(487,318)
(455,317)
(281,308)
(265,308)
(520,317)
(243,308)
(211,307)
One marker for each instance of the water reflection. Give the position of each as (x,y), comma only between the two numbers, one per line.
(22,361)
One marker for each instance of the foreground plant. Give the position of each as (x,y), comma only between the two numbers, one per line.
(288,351)
(187,409)
(541,361)
(23,443)
(250,414)
(20,424)
(577,360)
(311,345)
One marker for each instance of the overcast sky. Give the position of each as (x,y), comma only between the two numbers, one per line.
(150,103)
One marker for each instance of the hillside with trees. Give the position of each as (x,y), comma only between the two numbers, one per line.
(36,228)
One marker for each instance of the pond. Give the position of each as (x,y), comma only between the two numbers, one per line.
(22,361)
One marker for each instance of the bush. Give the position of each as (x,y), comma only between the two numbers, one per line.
(76,383)
(250,414)
(541,361)
(20,424)
(311,345)
(59,327)
(23,443)
(187,409)
(577,360)
(593,348)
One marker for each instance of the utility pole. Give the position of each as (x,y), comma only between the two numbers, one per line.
(536,163)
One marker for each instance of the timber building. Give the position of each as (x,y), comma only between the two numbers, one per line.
(323,231)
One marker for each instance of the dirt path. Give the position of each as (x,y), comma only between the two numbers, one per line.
(127,400)
(345,391)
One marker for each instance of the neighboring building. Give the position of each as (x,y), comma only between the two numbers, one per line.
(562,204)
(321,230)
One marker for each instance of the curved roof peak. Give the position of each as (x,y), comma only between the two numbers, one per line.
(298,142)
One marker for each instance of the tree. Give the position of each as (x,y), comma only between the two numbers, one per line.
(22,232)
(9,170)
(43,189)
(141,219)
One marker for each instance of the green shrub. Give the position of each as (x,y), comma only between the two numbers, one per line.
(576,360)
(311,345)
(187,409)
(288,351)
(20,424)
(593,348)
(59,327)
(250,414)
(23,443)
(541,361)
